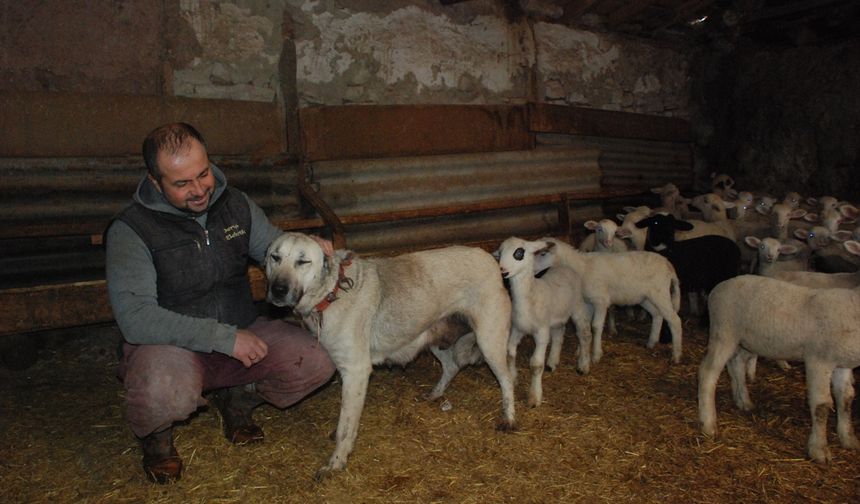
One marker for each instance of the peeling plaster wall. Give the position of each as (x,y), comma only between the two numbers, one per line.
(409,55)
(609,72)
(343,52)
(240,46)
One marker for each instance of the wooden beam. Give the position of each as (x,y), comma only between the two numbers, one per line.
(374,131)
(628,11)
(560,119)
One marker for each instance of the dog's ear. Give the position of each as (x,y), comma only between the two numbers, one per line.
(327,247)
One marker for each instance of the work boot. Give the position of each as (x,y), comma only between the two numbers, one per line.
(161,462)
(235,405)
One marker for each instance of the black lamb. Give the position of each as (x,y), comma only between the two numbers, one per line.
(700,263)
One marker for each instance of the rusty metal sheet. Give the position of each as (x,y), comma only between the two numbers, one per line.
(386,184)
(631,162)
(374,131)
(72,124)
(355,187)
(545,118)
(55,196)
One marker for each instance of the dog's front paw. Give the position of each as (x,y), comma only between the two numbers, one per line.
(323,473)
(506,426)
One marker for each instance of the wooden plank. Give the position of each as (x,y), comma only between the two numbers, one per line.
(73,124)
(544,118)
(368,131)
(45,307)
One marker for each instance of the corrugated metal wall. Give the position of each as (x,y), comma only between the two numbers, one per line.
(375,185)
(631,162)
(55,204)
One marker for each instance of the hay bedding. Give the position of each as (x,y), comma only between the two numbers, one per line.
(626,433)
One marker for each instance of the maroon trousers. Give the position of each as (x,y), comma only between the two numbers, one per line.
(165,384)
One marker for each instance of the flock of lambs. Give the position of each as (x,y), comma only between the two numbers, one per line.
(778,278)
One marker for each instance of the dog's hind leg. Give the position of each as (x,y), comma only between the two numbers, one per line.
(492,335)
(463,352)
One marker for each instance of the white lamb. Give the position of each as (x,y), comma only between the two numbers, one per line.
(628,230)
(603,240)
(639,278)
(754,315)
(767,261)
(541,307)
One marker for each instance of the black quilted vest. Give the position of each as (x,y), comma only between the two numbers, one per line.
(201,273)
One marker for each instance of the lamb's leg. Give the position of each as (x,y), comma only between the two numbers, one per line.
(843,392)
(720,350)
(661,309)
(513,342)
(751,365)
(737,372)
(556,339)
(536,364)
(610,315)
(597,321)
(462,353)
(582,315)
(818,376)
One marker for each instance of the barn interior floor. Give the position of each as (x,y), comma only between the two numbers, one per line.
(627,432)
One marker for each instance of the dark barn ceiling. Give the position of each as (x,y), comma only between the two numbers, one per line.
(769,22)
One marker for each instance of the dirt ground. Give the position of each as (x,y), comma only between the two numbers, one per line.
(628,432)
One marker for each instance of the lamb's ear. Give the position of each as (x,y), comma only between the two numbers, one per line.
(852,246)
(682,225)
(811,201)
(643,223)
(842,235)
(325,245)
(811,217)
(788,249)
(849,211)
(801,234)
(752,241)
(797,213)
(623,233)
(590,224)
(497,254)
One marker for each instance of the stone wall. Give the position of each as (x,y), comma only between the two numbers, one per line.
(332,52)
(784,119)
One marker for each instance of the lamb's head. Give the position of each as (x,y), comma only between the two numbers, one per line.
(780,216)
(294,262)
(712,206)
(817,237)
(604,232)
(517,256)
(722,184)
(792,200)
(769,249)
(661,230)
(765,205)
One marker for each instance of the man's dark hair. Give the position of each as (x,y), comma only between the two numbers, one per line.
(171,138)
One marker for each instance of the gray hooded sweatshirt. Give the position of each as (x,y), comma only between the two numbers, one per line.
(131,279)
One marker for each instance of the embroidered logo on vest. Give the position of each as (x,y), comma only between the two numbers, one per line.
(233,231)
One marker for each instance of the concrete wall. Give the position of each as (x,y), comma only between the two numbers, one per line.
(331,52)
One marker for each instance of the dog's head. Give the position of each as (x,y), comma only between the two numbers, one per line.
(295,262)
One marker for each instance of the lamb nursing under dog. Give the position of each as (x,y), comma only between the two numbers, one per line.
(369,311)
